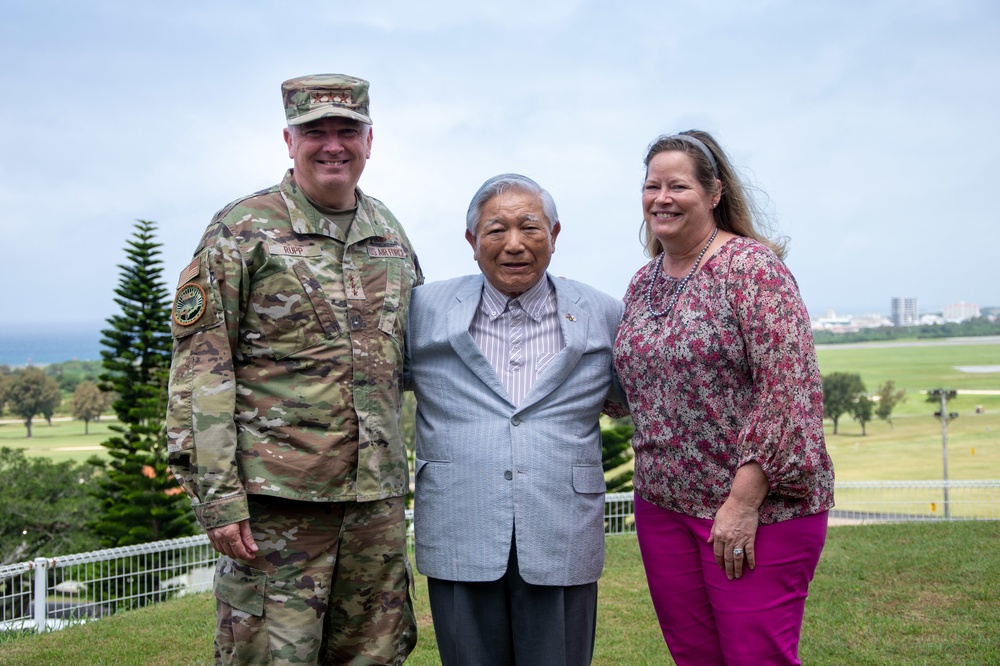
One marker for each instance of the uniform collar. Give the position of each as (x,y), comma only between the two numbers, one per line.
(306,219)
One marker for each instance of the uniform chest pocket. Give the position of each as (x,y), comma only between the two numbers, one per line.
(400,278)
(293,310)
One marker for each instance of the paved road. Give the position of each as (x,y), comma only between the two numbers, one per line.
(939,342)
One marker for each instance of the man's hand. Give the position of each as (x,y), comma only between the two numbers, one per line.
(233,540)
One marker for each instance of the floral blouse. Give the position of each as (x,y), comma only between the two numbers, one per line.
(727,377)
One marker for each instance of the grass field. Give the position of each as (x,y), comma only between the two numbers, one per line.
(883,595)
(63,440)
(912,448)
(917,369)
(909,450)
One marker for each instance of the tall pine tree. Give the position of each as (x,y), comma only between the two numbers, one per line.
(616,450)
(140,500)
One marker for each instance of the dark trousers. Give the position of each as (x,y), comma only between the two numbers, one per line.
(509,622)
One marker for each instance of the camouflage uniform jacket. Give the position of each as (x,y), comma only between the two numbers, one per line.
(287,364)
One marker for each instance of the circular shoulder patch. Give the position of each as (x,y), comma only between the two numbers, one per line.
(189,304)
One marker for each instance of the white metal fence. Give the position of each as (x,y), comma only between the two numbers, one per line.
(897,501)
(50,593)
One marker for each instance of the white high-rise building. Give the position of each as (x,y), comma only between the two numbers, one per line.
(960,311)
(904,311)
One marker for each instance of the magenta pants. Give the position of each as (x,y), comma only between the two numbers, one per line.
(710,620)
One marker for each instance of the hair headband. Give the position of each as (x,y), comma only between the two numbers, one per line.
(697,143)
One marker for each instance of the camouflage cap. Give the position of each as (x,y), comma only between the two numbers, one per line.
(309,98)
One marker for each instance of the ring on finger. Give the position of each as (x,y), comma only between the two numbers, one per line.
(737,551)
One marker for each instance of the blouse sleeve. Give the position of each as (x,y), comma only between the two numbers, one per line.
(784,430)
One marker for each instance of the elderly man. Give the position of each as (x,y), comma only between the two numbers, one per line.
(284,396)
(511,369)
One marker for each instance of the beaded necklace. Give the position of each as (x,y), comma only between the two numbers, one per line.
(680,287)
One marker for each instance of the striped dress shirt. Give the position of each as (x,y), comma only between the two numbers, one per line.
(518,336)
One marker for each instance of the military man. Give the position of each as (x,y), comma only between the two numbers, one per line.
(284,400)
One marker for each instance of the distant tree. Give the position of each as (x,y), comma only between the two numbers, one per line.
(862,411)
(30,393)
(841,391)
(889,398)
(88,403)
(139,498)
(4,386)
(43,506)
(49,409)
(70,373)
(616,450)
(978,326)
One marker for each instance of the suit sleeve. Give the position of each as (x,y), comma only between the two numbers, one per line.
(616,404)
(201,428)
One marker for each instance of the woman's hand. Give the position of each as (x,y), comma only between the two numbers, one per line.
(735,526)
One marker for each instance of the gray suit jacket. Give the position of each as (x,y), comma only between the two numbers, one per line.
(486,470)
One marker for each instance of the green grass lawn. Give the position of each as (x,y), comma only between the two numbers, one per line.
(884,595)
(63,440)
(917,369)
(912,448)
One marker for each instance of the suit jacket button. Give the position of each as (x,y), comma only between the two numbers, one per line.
(507,475)
(515,420)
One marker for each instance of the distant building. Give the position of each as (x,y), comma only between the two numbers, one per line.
(871,321)
(960,311)
(931,319)
(904,311)
(831,322)
(848,323)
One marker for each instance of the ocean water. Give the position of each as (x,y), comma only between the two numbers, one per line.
(43,344)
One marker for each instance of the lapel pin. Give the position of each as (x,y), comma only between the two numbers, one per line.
(570,317)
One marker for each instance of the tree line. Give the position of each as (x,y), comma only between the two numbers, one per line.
(975,327)
(845,393)
(29,392)
(131,497)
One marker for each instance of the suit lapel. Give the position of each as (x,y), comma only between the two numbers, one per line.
(574,321)
(459,320)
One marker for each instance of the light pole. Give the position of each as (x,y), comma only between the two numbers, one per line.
(945,395)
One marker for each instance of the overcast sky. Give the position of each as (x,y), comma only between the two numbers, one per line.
(872,127)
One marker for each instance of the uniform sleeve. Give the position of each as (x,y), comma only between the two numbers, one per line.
(784,431)
(420,273)
(201,428)
(407,358)
(418,280)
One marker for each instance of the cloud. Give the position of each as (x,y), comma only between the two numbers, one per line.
(870,127)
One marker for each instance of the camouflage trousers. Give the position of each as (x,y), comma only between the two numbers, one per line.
(330,584)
